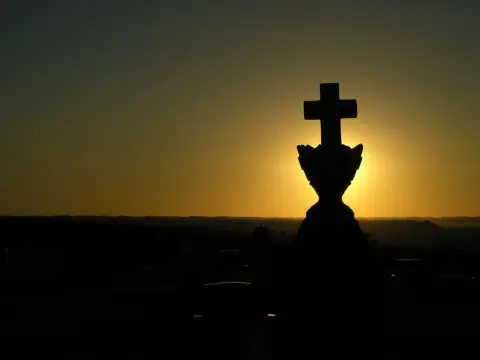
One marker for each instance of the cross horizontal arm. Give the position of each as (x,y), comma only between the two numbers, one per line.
(319,110)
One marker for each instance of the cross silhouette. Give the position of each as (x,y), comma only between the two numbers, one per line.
(330,110)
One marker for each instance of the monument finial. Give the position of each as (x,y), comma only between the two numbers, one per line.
(330,110)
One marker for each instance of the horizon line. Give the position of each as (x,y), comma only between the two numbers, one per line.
(227,217)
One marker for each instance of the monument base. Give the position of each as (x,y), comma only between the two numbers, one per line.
(331,226)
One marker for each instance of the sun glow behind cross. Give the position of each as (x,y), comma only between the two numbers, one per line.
(292,187)
(362,178)
(291,193)
(357,195)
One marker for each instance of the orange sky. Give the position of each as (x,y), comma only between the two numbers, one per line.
(196,109)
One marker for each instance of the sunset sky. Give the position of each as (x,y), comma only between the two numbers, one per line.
(195,107)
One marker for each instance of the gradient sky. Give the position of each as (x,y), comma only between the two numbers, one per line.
(187,107)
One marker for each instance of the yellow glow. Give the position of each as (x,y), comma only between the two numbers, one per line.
(364,174)
(290,178)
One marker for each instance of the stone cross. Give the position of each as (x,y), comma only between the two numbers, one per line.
(330,110)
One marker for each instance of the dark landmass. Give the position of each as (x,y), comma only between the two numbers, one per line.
(168,282)
(458,232)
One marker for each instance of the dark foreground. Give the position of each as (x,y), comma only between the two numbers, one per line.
(107,290)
